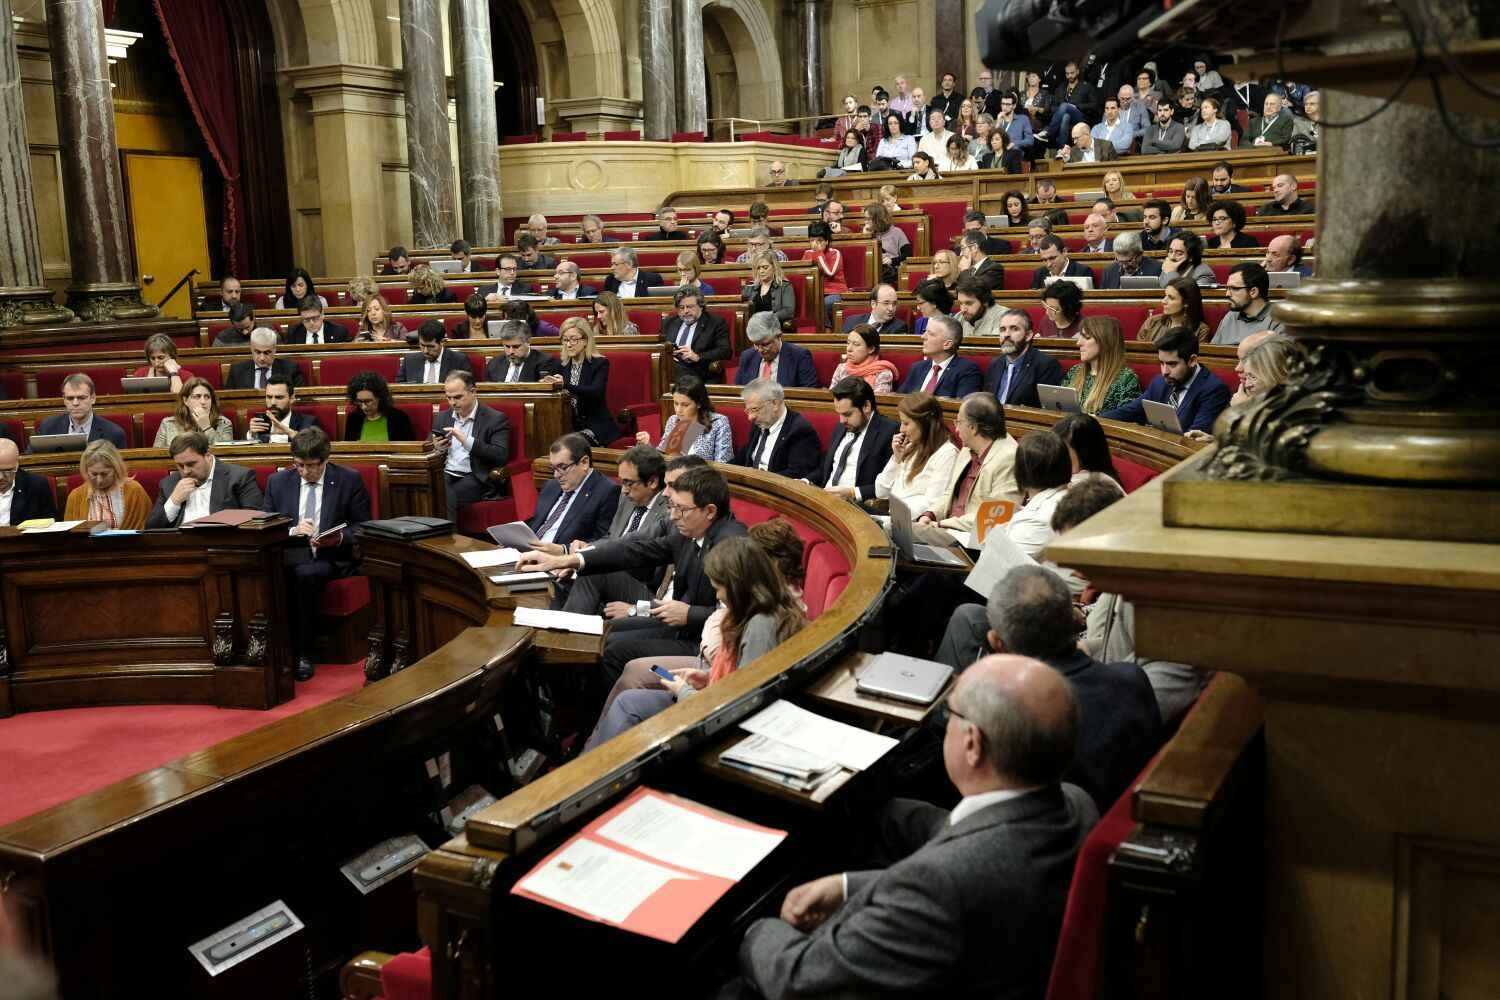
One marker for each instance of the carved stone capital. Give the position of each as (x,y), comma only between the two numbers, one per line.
(30,307)
(104,302)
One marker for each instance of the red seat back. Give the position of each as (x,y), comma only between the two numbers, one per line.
(1018,277)
(1145,372)
(590,258)
(370,473)
(396,295)
(630,136)
(903,360)
(16,431)
(339,370)
(629,379)
(421,417)
(570,136)
(648,321)
(688,137)
(826,362)
(518,140)
(739,424)
(1133,475)
(824,562)
(516,414)
(106,380)
(857,270)
(823,421)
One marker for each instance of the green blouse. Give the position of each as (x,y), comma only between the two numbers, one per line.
(1122,390)
(375,430)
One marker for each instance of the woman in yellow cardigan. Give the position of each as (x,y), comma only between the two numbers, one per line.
(107,493)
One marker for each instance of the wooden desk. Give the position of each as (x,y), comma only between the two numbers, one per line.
(178,616)
(834,691)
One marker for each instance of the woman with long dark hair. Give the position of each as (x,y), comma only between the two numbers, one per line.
(372,415)
(1088,447)
(712,438)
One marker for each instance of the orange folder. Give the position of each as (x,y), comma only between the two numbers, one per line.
(991,513)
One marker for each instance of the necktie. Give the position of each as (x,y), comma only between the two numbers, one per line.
(503,291)
(310,505)
(1175,397)
(838,469)
(260,378)
(685,338)
(514,373)
(760,447)
(430,372)
(932,378)
(1005,389)
(635,520)
(556,513)
(765,369)
(315,338)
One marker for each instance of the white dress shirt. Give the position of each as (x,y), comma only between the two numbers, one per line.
(513,373)
(432,371)
(627,288)
(457,463)
(197,502)
(314,336)
(6,499)
(82,428)
(571,293)
(767,444)
(928,488)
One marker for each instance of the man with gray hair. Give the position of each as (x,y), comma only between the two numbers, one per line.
(521,362)
(697,337)
(590,230)
(1021,367)
(666,226)
(941,371)
(263,363)
(973,901)
(770,357)
(536,225)
(781,441)
(760,239)
(626,278)
(1130,261)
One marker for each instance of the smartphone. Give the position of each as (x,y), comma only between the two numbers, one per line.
(662,672)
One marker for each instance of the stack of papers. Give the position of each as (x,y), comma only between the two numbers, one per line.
(47,526)
(566,621)
(819,737)
(535,580)
(779,763)
(492,557)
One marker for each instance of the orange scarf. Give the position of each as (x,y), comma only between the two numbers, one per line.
(869,368)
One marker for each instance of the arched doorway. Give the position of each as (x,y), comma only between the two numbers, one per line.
(515,69)
(723,93)
(741,28)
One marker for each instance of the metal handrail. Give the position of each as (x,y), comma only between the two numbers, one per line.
(761,123)
(192,304)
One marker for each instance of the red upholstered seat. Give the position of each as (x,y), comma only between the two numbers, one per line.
(462,290)
(1144,372)
(327,415)
(1133,475)
(903,360)
(858,271)
(824,562)
(739,424)
(16,431)
(630,136)
(688,137)
(476,518)
(590,259)
(345,596)
(648,321)
(263,474)
(1018,277)
(629,389)
(748,512)
(421,417)
(1213,314)
(106,379)
(945,220)
(823,421)
(826,362)
(13,385)
(1221,272)
(259,299)
(518,140)
(339,370)
(396,295)
(909,227)
(407,976)
(570,136)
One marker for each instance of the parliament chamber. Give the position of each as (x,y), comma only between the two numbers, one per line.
(310,310)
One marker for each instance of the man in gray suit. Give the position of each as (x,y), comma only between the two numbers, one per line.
(644,493)
(202,485)
(972,900)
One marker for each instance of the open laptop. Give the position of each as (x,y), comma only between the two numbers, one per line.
(1139,281)
(798,232)
(1084,284)
(904,678)
(447,265)
(663,289)
(57,442)
(1161,416)
(901,534)
(1059,398)
(147,383)
(1285,279)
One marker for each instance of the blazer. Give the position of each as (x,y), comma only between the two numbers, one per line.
(397,425)
(972,909)
(1119,724)
(333,333)
(796,454)
(345,501)
(234,488)
(644,279)
(783,300)
(99,430)
(533,367)
(689,583)
(589,515)
(1073,270)
(590,398)
(1035,368)
(794,367)
(1205,399)
(297,421)
(656,521)
(894,325)
(584,292)
(1150,268)
(1173,140)
(874,453)
(516,288)
(710,341)
(414,365)
(1104,151)
(490,447)
(1279,132)
(990,272)
(242,373)
(960,378)
(31,497)
(997,481)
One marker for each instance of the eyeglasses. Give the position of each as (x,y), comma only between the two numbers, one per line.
(677,509)
(1235,288)
(946,710)
(562,470)
(7,473)
(629,484)
(572,340)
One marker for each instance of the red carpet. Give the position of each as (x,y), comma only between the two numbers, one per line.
(51,757)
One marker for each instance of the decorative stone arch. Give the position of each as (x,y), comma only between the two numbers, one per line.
(596,59)
(324,32)
(756,55)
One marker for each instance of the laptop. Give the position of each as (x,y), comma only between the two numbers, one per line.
(57,442)
(1059,398)
(447,266)
(1084,284)
(1161,416)
(799,232)
(663,290)
(1140,281)
(147,383)
(997,221)
(901,534)
(904,678)
(1285,279)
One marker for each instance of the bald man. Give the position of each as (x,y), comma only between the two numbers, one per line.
(1282,255)
(1096,237)
(1087,149)
(968,900)
(1285,200)
(23,495)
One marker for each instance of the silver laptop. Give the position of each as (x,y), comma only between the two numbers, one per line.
(56,442)
(797,232)
(447,266)
(1161,416)
(1059,398)
(1084,284)
(997,221)
(147,383)
(663,290)
(1285,279)
(1140,281)
(901,534)
(904,678)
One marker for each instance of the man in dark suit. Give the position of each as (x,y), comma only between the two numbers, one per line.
(565,282)
(781,440)
(23,495)
(1273,127)
(80,418)
(626,278)
(882,314)
(506,267)
(474,440)
(1056,262)
(202,485)
(1130,261)
(861,444)
(263,363)
(1221,181)
(646,482)
(974,221)
(770,356)
(521,362)
(666,227)
(578,504)
(280,416)
(1020,368)
(532,258)
(674,625)
(698,337)
(933,911)
(432,362)
(1196,393)
(313,329)
(317,495)
(1165,135)
(973,260)
(941,371)
(1087,149)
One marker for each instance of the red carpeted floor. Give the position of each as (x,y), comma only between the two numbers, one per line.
(51,757)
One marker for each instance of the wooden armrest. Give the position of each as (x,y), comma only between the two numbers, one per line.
(1195,772)
(359,979)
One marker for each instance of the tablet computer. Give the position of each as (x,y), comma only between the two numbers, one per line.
(1059,398)
(1161,416)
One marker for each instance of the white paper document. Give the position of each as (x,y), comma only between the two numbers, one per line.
(54,526)
(762,752)
(596,880)
(492,557)
(851,746)
(684,837)
(567,621)
(515,579)
(997,557)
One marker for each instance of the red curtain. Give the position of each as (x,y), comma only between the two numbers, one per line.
(198,41)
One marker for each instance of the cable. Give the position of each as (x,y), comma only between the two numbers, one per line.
(1411,74)
(1449,59)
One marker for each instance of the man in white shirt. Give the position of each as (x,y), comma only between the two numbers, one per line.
(202,485)
(914,120)
(1096,234)
(935,142)
(565,277)
(861,443)
(474,441)
(1114,128)
(23,495)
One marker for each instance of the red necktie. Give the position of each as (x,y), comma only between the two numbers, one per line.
(765,369)
(932,378)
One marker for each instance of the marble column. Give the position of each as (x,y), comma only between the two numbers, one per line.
(692,70)
(658,70)
(103,285)
(429,163)
(812,59)
(478,130)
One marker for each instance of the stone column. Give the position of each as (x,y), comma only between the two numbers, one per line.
(104,285)
(658,70)
(427,139)
(478,131)
(692,71)
(812,59)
